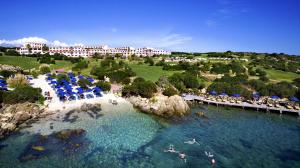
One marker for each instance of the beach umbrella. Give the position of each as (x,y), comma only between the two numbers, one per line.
(275,97)
(97,89)
(90,79)
(2,81)
(255,95)
(81,77)
(80,90)
(213,92)
(223,94)
(294,99)
(236,95)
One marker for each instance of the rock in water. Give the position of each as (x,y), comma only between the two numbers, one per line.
(161,105)
(92,107)
(11,116)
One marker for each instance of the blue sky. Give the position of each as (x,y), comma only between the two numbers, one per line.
(178,25)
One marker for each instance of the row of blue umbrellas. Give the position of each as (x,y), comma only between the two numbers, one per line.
(3,84)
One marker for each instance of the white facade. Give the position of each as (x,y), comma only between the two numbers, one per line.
(87,51)
(31,48)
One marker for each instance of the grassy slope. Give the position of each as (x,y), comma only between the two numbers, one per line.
(278,75)
(150,72)
(23,62)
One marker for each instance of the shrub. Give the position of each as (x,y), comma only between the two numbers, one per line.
(140,87)
(44,68)
(149,61)
(35,74)
(170,91)
(22,94)
(18,80)
(46,60)
(80,65)
(11,52)
(61,77)
(264,78)
(84,83)
(6,73)
(105,86)
(190,81)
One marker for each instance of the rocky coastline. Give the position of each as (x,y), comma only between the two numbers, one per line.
(161,105)
(13,116)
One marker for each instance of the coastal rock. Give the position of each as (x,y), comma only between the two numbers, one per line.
(92,107)
(11,116)
(161,105)
(66,134)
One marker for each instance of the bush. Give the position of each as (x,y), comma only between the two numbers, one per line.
(44,68)
(22,94)
(1,54)
(18,80)
(170,91)
(6,73)
(61,77)
(105,86)
(140,87)
(46,60)
(11,52)
(191,81)
(264,78)
(84,83)
(35,73)
(149,61)
(80,65)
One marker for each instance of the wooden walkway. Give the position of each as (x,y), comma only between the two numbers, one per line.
(243,105)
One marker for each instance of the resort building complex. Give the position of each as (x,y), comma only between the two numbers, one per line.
(87,51)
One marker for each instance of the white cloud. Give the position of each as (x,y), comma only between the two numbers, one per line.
(20,42)
(58,43)
(172,40)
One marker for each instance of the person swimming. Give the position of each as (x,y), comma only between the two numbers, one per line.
(213,162)
(208,154)
(171,149)
(182,156)
(191,142)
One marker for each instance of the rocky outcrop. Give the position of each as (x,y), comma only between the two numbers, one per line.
(161,105)
(90,107)
(10,68)
(11,116)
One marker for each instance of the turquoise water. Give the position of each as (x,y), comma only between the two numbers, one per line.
(119,136)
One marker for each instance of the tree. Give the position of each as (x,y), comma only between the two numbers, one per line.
(170,91)
(45,48)
(7,73)
(190,81)
(105,86)
(84,83)
(80,66)
(61,77)
(11,52)
(28,46)
(23,94)
(149,61)
(18,80)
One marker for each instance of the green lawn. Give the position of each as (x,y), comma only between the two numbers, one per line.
(278,75)
(150,72)
(23,62)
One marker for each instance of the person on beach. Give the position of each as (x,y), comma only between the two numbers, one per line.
(191,142)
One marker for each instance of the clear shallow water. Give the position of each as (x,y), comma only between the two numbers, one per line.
(121,137)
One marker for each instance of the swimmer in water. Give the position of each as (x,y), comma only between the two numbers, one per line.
(213,162)
(182,156)
(171,149)
(208,154)
(191,142)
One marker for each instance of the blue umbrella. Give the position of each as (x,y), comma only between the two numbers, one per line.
(81,77)
(255,95)
(90,79)
(236,95)
(80,90)
(223,94)
(2,81)
(275,97)
(213,93)
(294,99)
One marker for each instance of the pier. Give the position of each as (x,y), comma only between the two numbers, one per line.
(243,105)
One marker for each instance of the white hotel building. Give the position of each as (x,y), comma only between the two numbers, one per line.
(87,51)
